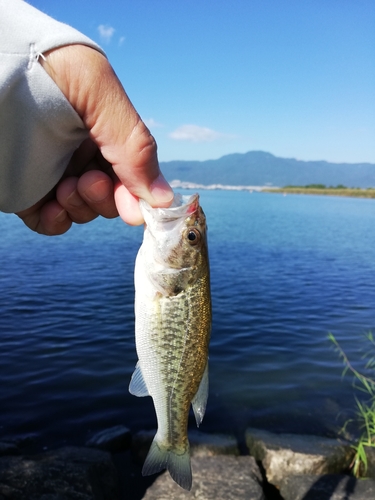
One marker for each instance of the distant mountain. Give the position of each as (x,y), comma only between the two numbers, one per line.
(258,168)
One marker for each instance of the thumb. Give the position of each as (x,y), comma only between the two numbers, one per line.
(91,86)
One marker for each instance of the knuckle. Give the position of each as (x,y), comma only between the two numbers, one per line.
(145,147)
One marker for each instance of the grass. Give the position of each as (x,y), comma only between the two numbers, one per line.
(365,408)
(321,189)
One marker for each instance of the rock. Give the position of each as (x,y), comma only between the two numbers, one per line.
(208,445)
(290,454)
(214,478)
(114,439)
(25,440)
(66,474)
(201,444)
(141,442)
(8,448)
(327,487)
(370,454)
(14,445)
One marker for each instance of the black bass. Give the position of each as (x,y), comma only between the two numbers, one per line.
(173,324)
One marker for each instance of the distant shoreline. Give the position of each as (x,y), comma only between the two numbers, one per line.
(349,192)
(212,187)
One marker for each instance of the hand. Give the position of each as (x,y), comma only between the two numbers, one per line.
(112,169)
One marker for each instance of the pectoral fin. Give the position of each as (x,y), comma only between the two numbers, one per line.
(200,399)
(137,385)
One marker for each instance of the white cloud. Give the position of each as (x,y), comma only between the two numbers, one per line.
(151,123)
(121,41)
(106,32)
(195,133)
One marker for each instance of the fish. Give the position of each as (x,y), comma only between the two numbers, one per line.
(172,329)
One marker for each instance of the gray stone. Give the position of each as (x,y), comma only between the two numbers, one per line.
(13,446)
(8,448)
(290,454)
(114,439)
(214,478)
(370,454)
(66,474)
(201,444)
(208,445)
(327,487)
(25,440)
(141,442)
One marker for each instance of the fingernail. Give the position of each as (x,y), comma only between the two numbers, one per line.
(75,200)
(161,191)
(60,217)
(95,193)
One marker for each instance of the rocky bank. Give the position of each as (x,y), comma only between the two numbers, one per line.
(270,467)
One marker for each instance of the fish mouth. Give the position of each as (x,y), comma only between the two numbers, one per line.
(166,229)
(182,206)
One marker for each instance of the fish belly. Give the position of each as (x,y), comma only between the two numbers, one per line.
(172,335)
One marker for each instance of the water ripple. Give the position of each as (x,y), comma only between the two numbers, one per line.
(285,272)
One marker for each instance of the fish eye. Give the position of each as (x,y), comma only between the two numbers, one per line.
(193,236)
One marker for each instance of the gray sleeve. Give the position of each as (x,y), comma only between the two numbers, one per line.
(39,129)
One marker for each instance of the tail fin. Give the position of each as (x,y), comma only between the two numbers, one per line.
(178,465)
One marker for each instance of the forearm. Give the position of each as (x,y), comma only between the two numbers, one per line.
(39,129)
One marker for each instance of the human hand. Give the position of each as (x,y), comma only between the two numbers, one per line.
(112,169)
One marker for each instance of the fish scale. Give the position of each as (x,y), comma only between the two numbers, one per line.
(172,331)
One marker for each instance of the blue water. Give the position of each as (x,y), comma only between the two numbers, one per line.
(286,270)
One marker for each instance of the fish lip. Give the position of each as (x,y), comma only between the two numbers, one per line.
(182,206)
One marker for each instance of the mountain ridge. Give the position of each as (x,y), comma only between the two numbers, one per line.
(261,168)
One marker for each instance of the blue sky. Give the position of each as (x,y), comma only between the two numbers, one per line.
(295,78)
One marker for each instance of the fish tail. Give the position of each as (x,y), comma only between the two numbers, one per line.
(159,458)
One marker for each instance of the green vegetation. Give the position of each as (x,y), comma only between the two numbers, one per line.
(338,190)
(363,381)
(318,186)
